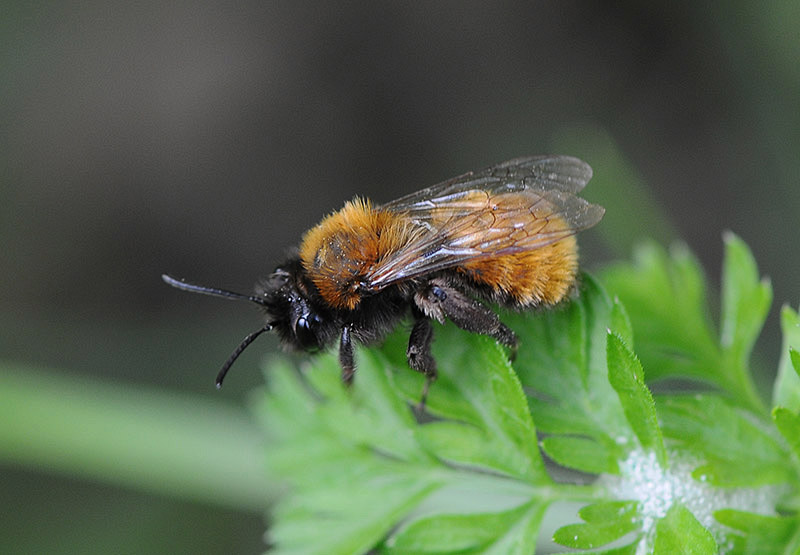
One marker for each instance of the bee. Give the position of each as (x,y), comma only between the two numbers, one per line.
(504,235)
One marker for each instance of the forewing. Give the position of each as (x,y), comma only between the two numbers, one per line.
(484,215)
(539,173)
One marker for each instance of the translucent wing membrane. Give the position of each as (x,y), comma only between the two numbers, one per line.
(516,206)
(543,173)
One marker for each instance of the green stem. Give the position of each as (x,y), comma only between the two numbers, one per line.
(144,439)
(574,492)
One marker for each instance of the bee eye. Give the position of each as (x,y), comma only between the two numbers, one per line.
(305,329)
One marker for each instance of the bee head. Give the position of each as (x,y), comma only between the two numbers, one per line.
(285,299)
(288,303)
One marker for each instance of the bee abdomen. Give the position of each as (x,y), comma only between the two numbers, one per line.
(543,276)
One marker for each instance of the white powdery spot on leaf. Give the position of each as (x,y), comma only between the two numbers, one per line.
(656,489)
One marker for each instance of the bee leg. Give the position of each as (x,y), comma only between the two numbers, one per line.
(346,358)
(419,354)
(469,314)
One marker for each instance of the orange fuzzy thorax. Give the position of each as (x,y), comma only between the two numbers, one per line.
(341,251)
(338,253)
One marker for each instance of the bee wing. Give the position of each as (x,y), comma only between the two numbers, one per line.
(563,173)
(516,206)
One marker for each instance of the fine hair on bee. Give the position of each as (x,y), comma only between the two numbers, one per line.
(504,235)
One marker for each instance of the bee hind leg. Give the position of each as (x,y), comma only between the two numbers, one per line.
(465,312)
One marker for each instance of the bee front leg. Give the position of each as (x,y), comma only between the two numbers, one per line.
(419,353)
(346,358)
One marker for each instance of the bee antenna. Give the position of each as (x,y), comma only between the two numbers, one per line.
(242,346)
(213,291)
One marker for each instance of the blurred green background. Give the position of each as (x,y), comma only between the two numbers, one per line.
(203,138)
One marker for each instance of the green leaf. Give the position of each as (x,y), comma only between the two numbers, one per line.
(621,322)
(562,365)
(761,534)
(788,424)
(489,398)
(665,296)
(629,549)
(627,378)
(737,451)
(345,498)
(786,391)
(361,472)
(362,515)
(582,453)
(481,393)
(609,511)
(590,536)
(551,417)
(480,533)
(745,300)
(603,524)
(680,532)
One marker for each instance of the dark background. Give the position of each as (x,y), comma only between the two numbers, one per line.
(203,138)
